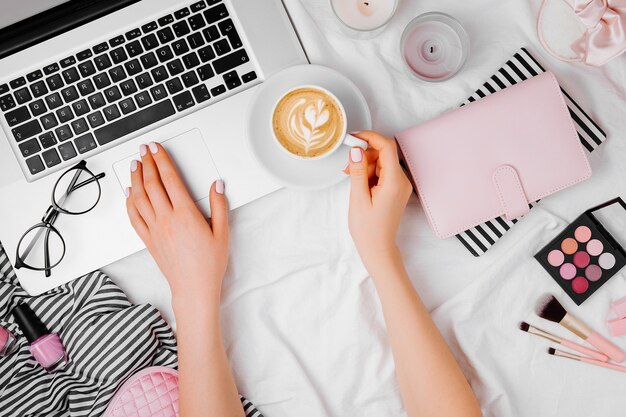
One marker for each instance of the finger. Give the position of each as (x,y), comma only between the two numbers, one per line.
(219,210)
(152,182)
(359,187)
(138,193)
(170,178)
(140,226)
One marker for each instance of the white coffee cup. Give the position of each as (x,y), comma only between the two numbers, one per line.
(348,140)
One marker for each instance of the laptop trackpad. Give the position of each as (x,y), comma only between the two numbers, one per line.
(192,158)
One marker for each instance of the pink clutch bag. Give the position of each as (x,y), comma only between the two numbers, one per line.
(152,392)
(495,156)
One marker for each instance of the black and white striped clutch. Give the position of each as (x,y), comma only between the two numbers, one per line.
(478,240)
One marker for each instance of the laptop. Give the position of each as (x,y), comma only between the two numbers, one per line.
(93,79)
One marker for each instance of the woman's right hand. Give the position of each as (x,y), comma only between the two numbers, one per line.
(379,194)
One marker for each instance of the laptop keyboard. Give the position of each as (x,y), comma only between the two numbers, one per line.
(99,95)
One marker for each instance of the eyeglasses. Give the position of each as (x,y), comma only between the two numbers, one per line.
(76,192)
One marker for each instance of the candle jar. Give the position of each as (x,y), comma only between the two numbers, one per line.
(364,18)
(434,46)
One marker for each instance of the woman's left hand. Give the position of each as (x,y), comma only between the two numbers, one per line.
(191,253)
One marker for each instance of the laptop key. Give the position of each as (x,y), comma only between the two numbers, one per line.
(222,47)
(195,40)
(134,122)
(182,13)
(211,33)
(191,60)
(183,101)
(49,121)
(196,22)
(7,102)
(117,74)
(96,101)
(149,27)
(143,99)
(165,35)
(65,114)
(69,94)
(135,33)
(63,133)
(220,89)
(80,108)
(165,53)
(206,72)
(87,68)
(95,119)
(134,48)
(67,151)
(102,80)
(35,165)
(149,60)
(18,82)
(175,67)
(181,28)
(84,55)
(174,86)
(54,101)
(23,96)
(27,130)
(111,112)
(47,140)
(127,106)
(198,6)
(133,67)
(231,61)
(34,76)
(86,87)
(215,14)
(251,76)
(69,61)
(70,75)
(201,93)
(55,82)
(160,74)
(112,94)
(85,143)
(190,79)
(17,116)
(118,55)
(158,92)
(37,108)
(51,157)
(79,126)
(102,62)
(30,147)
(100,48)
(166,20)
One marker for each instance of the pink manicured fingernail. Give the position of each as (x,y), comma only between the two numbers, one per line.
(127,192)
(356,154)
(143,150)
(133,165)
(219,186)
(153,147)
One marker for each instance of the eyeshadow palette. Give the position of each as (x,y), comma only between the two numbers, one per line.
(584,256)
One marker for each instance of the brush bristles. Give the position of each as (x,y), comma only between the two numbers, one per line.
(551,351)
(523,326)
(549,308)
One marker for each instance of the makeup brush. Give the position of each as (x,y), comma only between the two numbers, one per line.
(549,308)
(525,327)
(568,355)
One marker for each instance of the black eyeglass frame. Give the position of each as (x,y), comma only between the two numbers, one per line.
(53,212)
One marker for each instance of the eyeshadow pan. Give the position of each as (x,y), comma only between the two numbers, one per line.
(568,271)
(581,259)
(580,285)
(595,247)
(582,234)
(569,246)
(556,258)
(593,272)
(607,261)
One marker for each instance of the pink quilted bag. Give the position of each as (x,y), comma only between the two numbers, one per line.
(152,392)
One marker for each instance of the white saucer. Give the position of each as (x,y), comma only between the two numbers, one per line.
(292,172)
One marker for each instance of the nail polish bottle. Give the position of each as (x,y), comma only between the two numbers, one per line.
(8,342)
(45,347)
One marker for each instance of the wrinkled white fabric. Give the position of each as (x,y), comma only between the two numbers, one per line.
(302,321)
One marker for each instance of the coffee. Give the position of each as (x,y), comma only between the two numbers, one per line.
(308,122)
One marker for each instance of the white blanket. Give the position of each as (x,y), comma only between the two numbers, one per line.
(301,318)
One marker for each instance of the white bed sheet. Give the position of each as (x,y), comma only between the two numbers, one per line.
(302,321)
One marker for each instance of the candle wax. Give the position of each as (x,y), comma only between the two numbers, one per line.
(364,14)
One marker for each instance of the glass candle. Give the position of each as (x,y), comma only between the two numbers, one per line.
(364,15)
(434,46)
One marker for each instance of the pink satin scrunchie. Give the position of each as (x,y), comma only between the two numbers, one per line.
(605,37)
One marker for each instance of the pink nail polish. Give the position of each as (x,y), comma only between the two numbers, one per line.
(133,165)
(8,342)
(219,186)
(356,154)
(46,347)
(143,150)
(153,147)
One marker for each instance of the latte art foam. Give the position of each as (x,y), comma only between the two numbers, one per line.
(308,122)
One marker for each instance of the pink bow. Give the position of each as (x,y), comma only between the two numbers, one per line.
(605,38)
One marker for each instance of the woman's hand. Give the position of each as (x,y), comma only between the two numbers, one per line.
(192,254)
(379,193)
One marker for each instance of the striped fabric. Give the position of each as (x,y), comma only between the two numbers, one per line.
(478,240)
(107,338)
